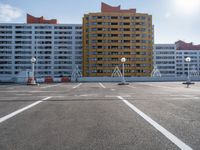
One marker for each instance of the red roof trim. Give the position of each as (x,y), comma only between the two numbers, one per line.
(107,8)
(181,45)
(41,20)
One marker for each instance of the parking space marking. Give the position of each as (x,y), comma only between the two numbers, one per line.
(50,86)
(77,86)
(131,86)
(10,88)
(158,86)
(161,129)
(22,94)
(102,85)
(26,91)
(2,119)
(51,96)
(184,97)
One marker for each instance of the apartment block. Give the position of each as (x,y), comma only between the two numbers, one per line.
(165,59)
(170,58)
(112,34)
(56,47)
(184,50)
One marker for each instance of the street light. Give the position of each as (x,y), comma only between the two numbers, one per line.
(123,60)
(33,60)
(188,59)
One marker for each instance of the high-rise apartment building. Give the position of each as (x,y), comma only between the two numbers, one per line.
(112,34)
(56,47)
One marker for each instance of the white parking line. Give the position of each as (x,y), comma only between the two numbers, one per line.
(77,86)
(102,85)
(51,96)
(22,94)
(50,86)
(131,86)
(26,91)
(161,129)
(2,119)
(184,97)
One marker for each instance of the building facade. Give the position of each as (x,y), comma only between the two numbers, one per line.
(165,59)
(56,47)
(183,51)
(112,34)
(170,59)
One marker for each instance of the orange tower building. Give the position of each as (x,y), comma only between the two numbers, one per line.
(112,34)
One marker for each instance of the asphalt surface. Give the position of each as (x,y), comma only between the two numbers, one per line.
(91,116)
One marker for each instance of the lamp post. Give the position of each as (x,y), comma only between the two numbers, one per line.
(123,60)
(33,60)
(188,59)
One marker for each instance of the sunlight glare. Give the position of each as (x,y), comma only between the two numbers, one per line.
(187,7)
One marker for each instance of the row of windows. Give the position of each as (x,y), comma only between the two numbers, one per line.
(117,59)
(192,57)
(5,72)
(120,35)
(62,57)
(118,29)
(118,17)
(120,41)
(39,27)
(126,71)
(41,47)
(166,67)
(167,72)
(5,67)
(41,37)
(63,52)
(165,57)
(119,53)
(5,52)
(41,42)
(63,67)
(166,47)
(165,62)
(181,61)
(119,65)
(121,47)
(119,23)
(165,53)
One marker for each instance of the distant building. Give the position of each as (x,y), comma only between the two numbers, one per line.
(57,47)
(184,50)
(165,59)
(170,58)
(112,34)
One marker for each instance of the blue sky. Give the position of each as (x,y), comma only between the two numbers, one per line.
(173,19)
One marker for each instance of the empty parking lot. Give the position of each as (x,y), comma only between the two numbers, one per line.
(100,116)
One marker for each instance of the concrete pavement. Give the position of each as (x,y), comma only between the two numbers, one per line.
(91,116)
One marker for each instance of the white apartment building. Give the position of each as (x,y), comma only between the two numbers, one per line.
(182,65)
(56,47)
(165,59)
(170,59)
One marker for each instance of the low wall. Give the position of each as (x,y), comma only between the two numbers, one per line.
(135,79)
(23,80)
